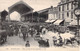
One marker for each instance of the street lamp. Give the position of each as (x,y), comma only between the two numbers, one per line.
(77,14)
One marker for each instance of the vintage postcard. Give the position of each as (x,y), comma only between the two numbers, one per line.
(39,25)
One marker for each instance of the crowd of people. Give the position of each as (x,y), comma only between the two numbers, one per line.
(62,38)
(20,30)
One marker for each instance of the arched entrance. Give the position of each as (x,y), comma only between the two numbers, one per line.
(20,7)
(15,16)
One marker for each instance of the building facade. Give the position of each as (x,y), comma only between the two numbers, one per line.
(52,13)
(22,8)
(37,16)
(66,11)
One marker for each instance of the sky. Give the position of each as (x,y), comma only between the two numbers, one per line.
(35,4)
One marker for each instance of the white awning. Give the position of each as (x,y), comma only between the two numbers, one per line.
(74,22)
(52,20)
(49,21)
(57,22)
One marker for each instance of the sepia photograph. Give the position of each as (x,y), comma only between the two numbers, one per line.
(39,25)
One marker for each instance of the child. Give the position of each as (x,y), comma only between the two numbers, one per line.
(27,44)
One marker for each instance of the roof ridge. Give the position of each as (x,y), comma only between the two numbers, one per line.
(20,2)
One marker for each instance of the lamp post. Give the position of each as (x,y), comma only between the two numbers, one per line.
(77,14)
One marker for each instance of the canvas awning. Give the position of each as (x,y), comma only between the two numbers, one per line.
(52,20)
(49,21)
(57,22)
(74,22)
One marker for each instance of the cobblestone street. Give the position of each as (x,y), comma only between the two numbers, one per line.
(16,40)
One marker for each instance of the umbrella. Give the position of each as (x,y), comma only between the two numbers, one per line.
(50,35)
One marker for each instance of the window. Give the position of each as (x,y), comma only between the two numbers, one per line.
(63,8)
(59,8)
(63,16)
(68,6)
(71,15)
(67,0)
(72,5)
(67,14)
(59,16)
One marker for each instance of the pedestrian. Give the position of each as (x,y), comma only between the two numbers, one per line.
(43,30)
(24,32)
(31,32)
(60,41)
(16,30)
(54,40)
(47,43)
(27,44)
(12,31)
(40,29)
